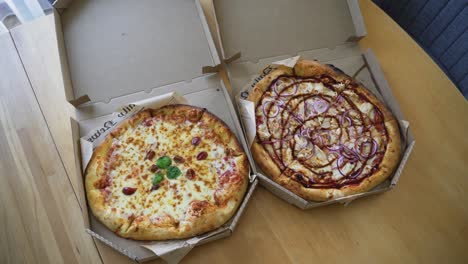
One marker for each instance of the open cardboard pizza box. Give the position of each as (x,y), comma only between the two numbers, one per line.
(266,31)
(116,53)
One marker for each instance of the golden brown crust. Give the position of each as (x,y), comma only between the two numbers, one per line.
(263,84)
(264,161)
(210,219)
(306,68)
(387,115)
(390,159)
(201,216)
(96,198)
(261,156)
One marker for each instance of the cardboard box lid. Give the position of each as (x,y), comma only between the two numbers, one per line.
(124,47)
(269,28)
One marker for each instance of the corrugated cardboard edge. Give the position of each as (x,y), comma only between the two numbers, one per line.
(385,90)
(358,20)
(282,192)
(67,83)
(112,245)
(75,130)
(209,11)
(297,201)
(218,68)
(208,36)
(241,209)
(382,84)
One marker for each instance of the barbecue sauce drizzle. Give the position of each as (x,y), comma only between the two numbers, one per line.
(317,181)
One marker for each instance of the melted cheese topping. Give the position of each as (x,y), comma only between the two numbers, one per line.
(130,166)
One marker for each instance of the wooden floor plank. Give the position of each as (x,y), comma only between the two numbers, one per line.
(43,220)
(37,46)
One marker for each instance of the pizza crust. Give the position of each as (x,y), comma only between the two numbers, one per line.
(264,161)
(388,164)
(210,219)
(201,216)
(257,92)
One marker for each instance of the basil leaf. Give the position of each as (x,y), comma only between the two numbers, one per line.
(163,162)
(173,172)
(158,177)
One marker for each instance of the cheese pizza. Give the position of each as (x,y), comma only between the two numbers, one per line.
(320,134)
(169,173)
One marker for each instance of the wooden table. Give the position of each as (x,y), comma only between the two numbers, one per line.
(425,219)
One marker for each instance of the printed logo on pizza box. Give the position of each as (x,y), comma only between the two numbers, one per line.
(110,124)
(107,125)
(257,79)
(264,73)
(126,110)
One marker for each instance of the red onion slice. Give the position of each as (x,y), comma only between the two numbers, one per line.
(359,149)
(349,154)
(339,98)
(336,149)
(296,117)
(345,116)
(275,104)
(304,132)
(275,86)
(306,107)
(320,106)
(339,163)
(355,174)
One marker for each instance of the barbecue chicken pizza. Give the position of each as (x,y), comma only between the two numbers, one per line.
(169,173)
(320,134)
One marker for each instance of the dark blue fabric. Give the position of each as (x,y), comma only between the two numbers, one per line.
(441,28)
(464,85)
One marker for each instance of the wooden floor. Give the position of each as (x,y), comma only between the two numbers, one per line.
(41,219)
(423,220)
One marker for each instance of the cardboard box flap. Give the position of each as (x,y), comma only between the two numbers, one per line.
(268,28)
(123,47)
(96,120)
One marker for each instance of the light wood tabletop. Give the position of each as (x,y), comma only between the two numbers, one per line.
(423,220)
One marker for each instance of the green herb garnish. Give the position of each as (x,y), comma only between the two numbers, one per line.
(173,172)
(163,162)
(158,177)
